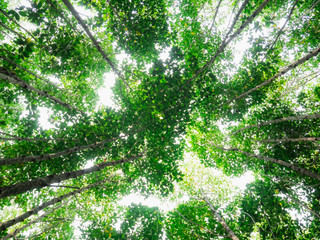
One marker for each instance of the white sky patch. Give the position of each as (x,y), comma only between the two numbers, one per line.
(105,93)
(55,80)
(150,202)
(241,182)
(45,114)
(89,164)
(122,57)
(239,49)
(164,55)
(85,13)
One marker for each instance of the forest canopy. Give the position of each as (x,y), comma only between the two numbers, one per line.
(206,92)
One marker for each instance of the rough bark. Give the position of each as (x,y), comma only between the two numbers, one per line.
(231,234)
(56,178)
(291,118)
(43,157)
(293,167)
(35,210)
(94,41)
(25,85)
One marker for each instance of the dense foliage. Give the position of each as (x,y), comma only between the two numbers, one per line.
(206,92)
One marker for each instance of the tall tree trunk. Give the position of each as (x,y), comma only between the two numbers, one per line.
(292,118)
(39,158)
(46,181)
(231,234)
(95,42)
(35,210)
(25,85)
(280,162)
(13,234)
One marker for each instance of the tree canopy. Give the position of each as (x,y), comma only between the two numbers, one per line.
(205,92)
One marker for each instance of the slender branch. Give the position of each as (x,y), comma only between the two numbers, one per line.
(215,15)
(11,137)
(194,223)
(283,26)
(303,139)
(292,118)
(95,42)
(63,186)
(11,30)
(33,74)
(279,74)
(228,39)
(280,162)
(231,234)
(25,85)
(60,13)
(4,13)
(303,205)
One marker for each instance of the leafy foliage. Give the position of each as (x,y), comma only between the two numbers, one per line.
(234,84)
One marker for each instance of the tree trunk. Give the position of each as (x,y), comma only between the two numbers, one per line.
(35,210)
(13,234)
(46,181)
(280,162)
(292,118)
(231,234)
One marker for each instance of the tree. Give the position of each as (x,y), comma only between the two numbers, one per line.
(180,88)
